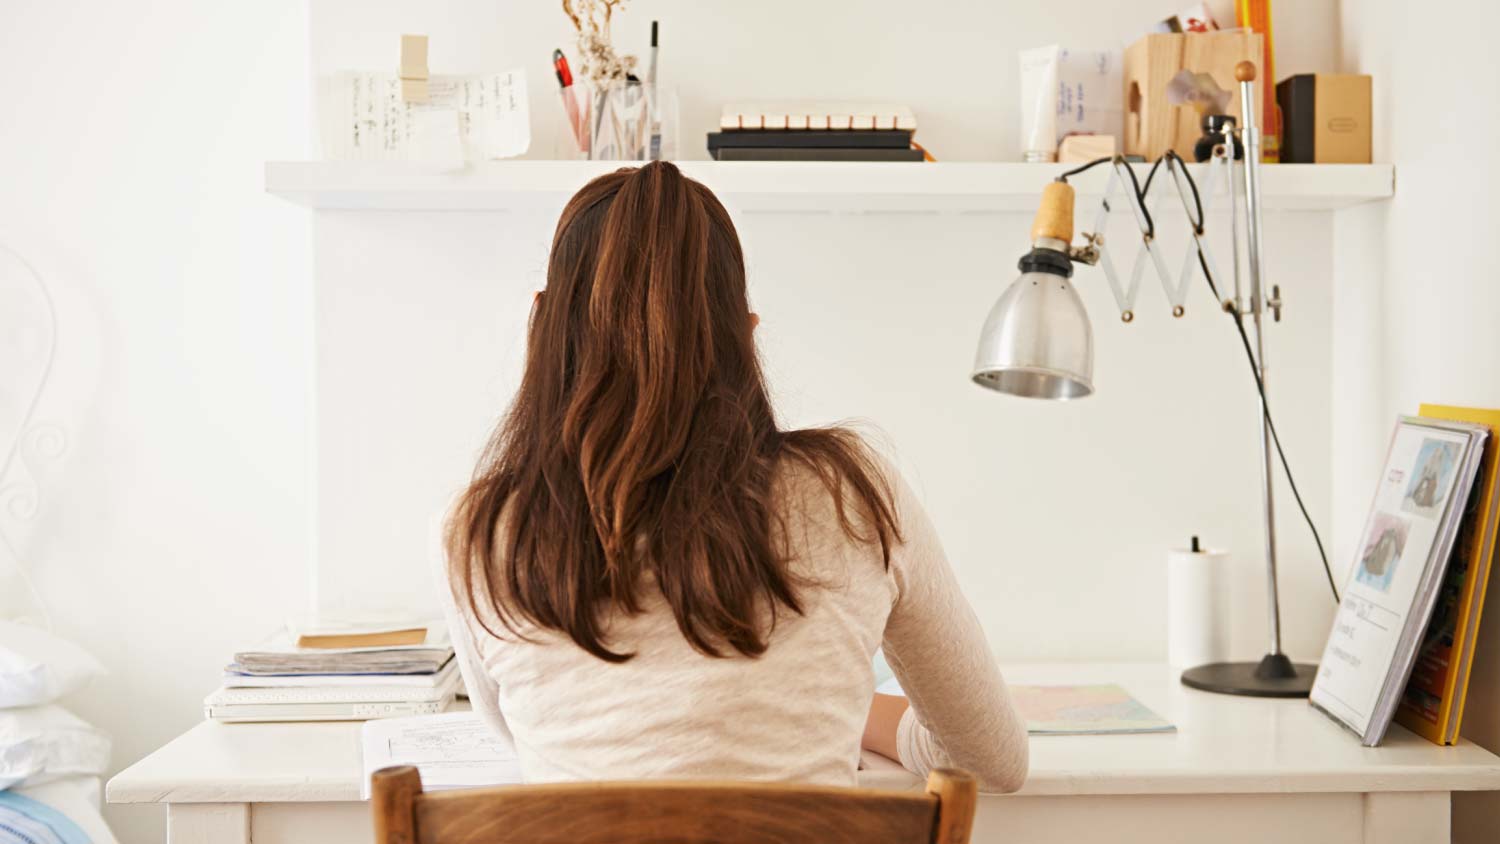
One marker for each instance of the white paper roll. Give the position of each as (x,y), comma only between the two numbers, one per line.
(1197,607)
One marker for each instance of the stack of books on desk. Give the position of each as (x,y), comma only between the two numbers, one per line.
(349,675)
(815,132)
(1418,583)
(1432,704)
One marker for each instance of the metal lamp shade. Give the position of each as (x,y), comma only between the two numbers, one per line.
(1037,342)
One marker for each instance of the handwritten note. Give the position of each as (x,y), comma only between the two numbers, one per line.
(362,117)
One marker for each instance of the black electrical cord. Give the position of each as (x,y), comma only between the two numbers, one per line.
(1173,159)
(1134,184)
(1260,384)
(1260,387)
(1085,166)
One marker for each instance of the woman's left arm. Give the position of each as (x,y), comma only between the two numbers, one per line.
(960,712)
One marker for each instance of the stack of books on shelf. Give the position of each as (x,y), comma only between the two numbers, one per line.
(343,674)
(815,132)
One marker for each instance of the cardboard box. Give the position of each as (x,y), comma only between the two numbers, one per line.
(1325,118)
(1152,125)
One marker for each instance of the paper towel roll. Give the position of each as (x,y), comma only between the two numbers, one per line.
(1197,607)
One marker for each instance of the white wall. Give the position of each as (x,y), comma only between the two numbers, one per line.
(1057,517)
(175,526)
(1418,311)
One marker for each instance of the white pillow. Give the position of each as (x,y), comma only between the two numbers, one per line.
(78,799)
(37,667)
(39,744)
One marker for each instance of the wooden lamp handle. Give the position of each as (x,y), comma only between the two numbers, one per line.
(1244,72)
(1054,217)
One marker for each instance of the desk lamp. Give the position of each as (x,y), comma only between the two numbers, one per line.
(1037,343)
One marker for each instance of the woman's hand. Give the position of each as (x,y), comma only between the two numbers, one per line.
(880,727)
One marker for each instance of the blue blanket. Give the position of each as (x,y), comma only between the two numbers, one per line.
(25,821)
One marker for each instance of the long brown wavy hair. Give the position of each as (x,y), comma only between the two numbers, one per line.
(642,440)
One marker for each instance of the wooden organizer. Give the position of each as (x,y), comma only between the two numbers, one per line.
(1152,125)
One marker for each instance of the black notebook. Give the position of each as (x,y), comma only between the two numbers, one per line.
(810,138)
(814,154)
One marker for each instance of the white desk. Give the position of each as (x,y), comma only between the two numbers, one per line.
(1236,770)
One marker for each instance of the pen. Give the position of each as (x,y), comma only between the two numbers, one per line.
(651,71)
(570,104)
(655,105)
(635,142)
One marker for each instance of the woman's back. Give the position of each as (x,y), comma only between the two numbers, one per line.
(797,712)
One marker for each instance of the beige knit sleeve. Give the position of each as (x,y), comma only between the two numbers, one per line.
(961,714)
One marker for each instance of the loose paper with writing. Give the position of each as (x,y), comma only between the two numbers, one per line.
(466,118)
(451,750)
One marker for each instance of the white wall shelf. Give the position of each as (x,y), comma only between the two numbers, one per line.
(776,186)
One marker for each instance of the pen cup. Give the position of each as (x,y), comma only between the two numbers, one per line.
(630,121)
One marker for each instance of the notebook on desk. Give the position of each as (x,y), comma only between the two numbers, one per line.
(1076,710)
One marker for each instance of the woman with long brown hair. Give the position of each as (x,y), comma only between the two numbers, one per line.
(648,578)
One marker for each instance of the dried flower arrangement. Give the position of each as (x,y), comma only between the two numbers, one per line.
(600,64)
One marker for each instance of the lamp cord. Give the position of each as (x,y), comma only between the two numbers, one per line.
(1173,159)
(1135,186)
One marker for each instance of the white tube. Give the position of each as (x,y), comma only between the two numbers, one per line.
(1039,104)
(1197,607)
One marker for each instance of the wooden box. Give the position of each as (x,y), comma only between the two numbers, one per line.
(1152,125)
(1325,118)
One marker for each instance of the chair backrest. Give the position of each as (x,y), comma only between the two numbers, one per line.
(670,812)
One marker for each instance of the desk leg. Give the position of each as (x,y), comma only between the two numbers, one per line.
(1400,817)
(208,823)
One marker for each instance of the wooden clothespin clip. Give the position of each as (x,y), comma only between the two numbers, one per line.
(414,68)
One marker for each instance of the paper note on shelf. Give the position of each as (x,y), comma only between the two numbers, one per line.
(452,750)
(1104,709)
(439,139)
(363,117)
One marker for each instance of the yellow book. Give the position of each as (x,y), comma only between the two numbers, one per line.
(1433,703)
(367,639)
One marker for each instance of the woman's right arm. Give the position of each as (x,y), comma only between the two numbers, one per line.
(484,692)
(961,714)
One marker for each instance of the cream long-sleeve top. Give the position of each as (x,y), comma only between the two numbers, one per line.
(796,713)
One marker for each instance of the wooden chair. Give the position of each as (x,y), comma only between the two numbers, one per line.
(670,813)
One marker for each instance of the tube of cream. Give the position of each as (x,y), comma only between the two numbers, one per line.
(1039,104)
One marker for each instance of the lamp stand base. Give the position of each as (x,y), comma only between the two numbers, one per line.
(1274,676)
